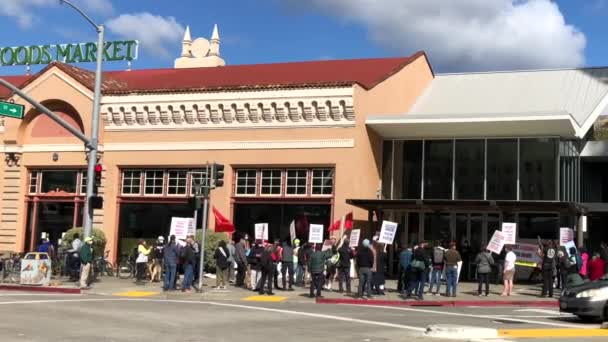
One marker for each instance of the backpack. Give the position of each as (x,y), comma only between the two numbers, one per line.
(438,255)
(418,265)
(333,260)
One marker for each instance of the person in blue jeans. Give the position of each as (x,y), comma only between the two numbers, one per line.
(189,259)
(452,258)
(170,261)
(438,262)
(418,274)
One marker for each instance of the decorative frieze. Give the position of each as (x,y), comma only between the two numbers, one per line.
(200,111)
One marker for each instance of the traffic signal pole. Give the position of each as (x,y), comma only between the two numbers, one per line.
(206,190)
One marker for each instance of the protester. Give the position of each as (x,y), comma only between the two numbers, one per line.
(74,258)
(267,268)
(197,261)
(142,261)
(452,258)
(157,262)
(222,254)
(170,256)
(509,271)
(47,247)
(287,267)
(303,257)
(277,252)
(596,267)
(189,260)
(548,255)
(564,265)
(331,265)
(584,264)
(241,263)
(86,258)
(438,261)
(316,265)
(419,264)
(298,269)
(365,262)
(231,260)
(254,259)
(484,262)
(573,278)
(405,259)
(379,274)
(604,255)
(346,255)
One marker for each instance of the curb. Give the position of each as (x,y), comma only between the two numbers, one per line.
(47,289)
(450,303)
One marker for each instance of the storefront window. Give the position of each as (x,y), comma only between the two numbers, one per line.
(296,182)
(154,182)
(197,177)
(438,169)
(437,227)
(532,226)
(470,166)
(59,181)
(387,169)
(502,169)
(246,182)
(177,182)
(537,169)
(271,182)
(83,183)
(412,169)
(322,181)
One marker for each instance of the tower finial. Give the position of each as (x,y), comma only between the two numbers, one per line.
(214,48)
(186,43)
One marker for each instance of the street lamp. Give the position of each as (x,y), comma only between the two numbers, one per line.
(88,212)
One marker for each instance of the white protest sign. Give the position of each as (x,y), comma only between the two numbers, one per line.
(509,229)
(565,235)
(388,232)
(570,244)
(355,234)
(315,233)
(181,227)
(292,231)
(497,242)
(527,255)
(261,231)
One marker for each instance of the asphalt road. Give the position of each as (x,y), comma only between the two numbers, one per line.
(46,317)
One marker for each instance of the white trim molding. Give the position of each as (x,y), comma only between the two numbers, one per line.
(231,145)
(316,107)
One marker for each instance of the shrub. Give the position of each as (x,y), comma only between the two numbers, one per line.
(212,239)
(99,239)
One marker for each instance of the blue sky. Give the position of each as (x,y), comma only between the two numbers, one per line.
(471,35)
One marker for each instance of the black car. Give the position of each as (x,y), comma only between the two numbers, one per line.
(588,301)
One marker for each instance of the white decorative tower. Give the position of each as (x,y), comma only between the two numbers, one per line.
(201,52)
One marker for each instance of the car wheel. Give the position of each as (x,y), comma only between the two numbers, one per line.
(590,319)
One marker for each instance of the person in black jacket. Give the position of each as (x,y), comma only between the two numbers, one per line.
(255,255)
(365,262)
(267,267)
(420,263)
(346,255)
(222,265)
(189,259)
(379,276)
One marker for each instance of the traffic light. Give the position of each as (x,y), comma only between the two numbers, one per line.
(195,203)
(218,175)
(96,202)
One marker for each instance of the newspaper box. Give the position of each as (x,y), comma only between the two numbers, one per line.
(35,269)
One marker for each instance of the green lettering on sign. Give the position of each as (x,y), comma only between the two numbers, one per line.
(68,53)
(11,110)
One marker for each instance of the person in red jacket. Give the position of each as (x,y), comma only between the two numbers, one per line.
(596,267)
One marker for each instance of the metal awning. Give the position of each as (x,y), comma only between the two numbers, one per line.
(570,208)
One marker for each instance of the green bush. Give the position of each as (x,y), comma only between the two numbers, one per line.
(99,239)
(212,239)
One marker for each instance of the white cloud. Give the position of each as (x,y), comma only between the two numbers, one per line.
(22,10)
(467,35)
(153,32)
(98,7)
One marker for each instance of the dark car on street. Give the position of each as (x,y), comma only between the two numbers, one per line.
(588,301)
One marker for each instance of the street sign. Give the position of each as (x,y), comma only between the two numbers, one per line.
(11,110)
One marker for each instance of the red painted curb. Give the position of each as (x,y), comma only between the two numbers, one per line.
(48,289)
(452,303)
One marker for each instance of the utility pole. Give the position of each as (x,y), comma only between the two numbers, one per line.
(206,189)
(94,141)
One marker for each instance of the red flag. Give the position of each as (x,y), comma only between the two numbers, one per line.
(348,223)
(222,224)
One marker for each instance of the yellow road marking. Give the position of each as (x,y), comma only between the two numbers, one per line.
(135,294)
(530,333)
(265,299)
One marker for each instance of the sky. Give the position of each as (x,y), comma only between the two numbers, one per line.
(457,35)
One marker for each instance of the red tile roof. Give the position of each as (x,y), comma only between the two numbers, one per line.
(365,72)
(17,81)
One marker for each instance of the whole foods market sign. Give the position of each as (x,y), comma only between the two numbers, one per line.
(122,50)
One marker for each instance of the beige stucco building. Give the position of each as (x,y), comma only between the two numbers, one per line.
(292,136)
